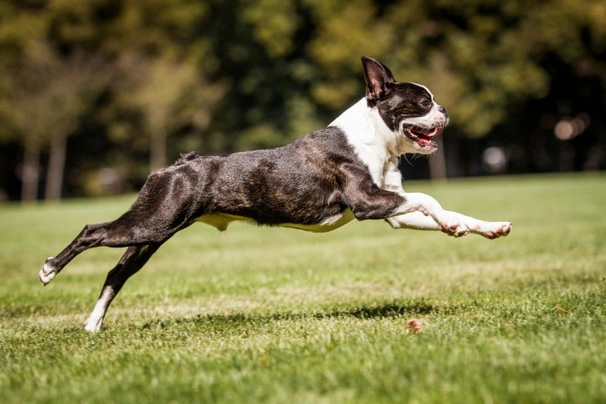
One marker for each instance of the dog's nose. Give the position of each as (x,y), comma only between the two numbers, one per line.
(443,111)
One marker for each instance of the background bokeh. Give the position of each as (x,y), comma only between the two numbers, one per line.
(94,94)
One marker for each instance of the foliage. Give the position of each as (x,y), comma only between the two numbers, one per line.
(275,315)
(43,102)
(259,73)
(162,96)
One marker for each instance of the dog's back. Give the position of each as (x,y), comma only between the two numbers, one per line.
(297,185)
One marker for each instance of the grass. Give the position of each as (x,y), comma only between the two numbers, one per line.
(278,315)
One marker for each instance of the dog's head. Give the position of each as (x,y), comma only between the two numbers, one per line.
(408,109)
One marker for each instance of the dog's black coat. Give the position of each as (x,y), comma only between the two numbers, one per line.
(316,177)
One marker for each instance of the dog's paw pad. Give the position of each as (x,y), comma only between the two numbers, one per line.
(504,229)
(454,229)
(461,231)
(500,229)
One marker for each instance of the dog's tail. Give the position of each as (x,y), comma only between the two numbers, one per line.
(185,157)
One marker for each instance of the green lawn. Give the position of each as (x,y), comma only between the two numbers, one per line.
(283,316)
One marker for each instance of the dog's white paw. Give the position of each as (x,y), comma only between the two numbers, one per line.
(453,227)
(494,230)
(93,325)
(47,273)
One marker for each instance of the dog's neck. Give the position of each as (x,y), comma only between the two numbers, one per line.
(364,126)
(372,140)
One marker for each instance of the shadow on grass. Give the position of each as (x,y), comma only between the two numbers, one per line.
(371,311)
(387,310)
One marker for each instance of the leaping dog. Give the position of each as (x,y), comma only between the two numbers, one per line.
(318,183)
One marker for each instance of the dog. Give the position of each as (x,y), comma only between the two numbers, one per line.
(318,183)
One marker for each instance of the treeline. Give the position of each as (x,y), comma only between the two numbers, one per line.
(95,93)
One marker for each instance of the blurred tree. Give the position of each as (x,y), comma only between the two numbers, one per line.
(16,28)
(161,96)
(286,67)
(42,106)
(345,31)
(479,57)
(77,82)
(274,24)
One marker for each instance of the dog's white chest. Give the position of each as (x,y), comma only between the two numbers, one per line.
(367,134)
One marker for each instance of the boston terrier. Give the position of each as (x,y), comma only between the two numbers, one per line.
(318,183)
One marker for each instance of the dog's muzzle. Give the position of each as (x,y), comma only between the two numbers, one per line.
(423,137)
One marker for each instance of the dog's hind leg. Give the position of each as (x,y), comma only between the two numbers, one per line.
(130,230)
(131,262)
(91,236)
(123,232)
(126,231)
(154,217)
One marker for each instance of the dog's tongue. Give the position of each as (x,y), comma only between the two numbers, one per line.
(424,137)
(431,132)
(435,131)
(424,142)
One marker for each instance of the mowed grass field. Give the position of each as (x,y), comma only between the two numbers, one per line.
(256,315)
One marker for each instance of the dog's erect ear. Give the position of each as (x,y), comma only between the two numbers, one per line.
(379,79)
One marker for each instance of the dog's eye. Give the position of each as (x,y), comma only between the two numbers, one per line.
(425,103)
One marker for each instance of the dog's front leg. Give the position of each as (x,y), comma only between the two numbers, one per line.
(427,214)
(408,210)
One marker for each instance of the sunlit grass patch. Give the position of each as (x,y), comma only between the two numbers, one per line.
(278,315)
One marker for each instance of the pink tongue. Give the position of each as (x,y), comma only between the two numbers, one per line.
(431,133)
(424,142)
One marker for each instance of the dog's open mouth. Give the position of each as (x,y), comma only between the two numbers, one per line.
(423,136)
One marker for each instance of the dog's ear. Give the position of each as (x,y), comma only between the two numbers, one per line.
(379,79)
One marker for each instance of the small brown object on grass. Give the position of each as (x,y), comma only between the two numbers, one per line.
(414,326)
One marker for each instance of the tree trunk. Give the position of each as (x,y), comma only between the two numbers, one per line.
(56,167)
(30,172)
(437,162)
(158,150)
